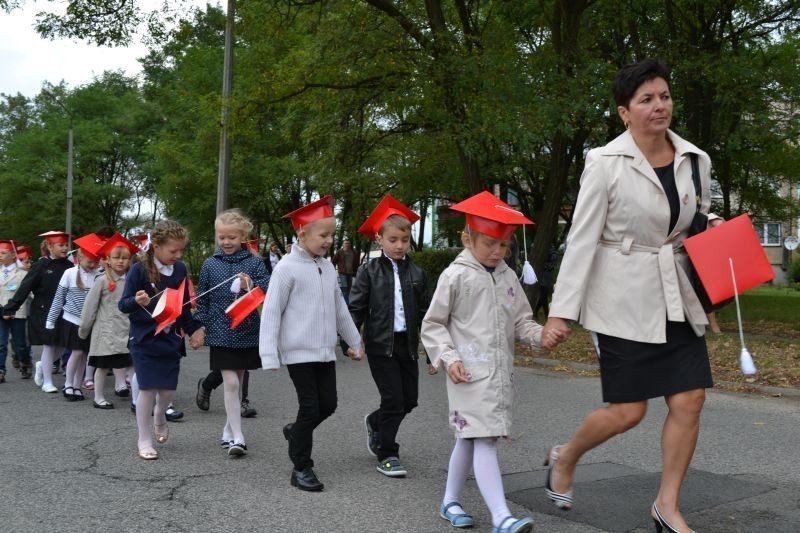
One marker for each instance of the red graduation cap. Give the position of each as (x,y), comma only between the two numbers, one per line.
(387,207)
(322,208)
(90,245)
(143,239)
(116,241)
(169,307)
(55,237)
(23,251)
(712,250)
(242,307)
(252,244)
(490,215)
(7,245)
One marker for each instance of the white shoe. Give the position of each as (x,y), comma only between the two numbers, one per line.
(49,388)
(38,377)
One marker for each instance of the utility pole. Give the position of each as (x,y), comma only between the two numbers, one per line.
(223,178)
(70,157)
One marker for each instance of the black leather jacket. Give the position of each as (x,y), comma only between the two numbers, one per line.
(372,303)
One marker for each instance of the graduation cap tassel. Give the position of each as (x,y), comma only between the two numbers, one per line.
(528,275)
(745,359)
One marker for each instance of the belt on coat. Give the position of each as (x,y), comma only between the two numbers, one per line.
(679,295)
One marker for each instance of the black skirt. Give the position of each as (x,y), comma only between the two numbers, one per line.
(631,371)
(117,360)
(69,337)
(234,358)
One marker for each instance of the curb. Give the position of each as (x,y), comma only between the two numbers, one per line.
(764,389)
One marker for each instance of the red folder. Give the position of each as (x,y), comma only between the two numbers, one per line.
(242,307)
(712,250)
(169,307)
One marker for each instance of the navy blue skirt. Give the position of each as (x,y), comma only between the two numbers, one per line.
(155,369)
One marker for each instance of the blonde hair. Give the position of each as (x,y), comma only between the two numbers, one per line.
(78,280)
(236,219)
(107,272)
(165,231)
(395,221)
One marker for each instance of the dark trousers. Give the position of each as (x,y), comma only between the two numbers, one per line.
(315,384)
(397,378)
(16,328)
(214,380)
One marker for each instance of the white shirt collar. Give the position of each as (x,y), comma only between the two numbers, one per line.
(10,268)
(162,268)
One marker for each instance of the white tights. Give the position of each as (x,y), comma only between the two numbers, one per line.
(231,381)
(73,376)
(49,354)
(481,455)
(147,399)
(100,382)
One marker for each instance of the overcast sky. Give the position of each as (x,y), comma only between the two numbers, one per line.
(27,60)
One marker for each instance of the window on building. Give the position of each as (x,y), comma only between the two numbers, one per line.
(769,233)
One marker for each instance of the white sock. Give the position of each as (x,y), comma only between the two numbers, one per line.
(134,389)
(490,483)
(457,471)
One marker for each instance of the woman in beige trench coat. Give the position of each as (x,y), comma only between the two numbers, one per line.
(623,277)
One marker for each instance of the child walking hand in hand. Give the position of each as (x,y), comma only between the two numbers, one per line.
(157,357)
(476,312)
(302,314)
(232,350)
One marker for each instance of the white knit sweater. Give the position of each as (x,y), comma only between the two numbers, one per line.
(303,312)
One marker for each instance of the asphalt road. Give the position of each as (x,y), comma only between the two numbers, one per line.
(68,467)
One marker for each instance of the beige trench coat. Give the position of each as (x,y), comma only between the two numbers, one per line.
(8,288)
(623,274)
(102,319)
(474,317)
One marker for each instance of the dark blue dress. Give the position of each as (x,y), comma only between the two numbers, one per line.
(156,358)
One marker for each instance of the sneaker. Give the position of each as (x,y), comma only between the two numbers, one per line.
(88,384)
(225,443)
(372,437)
(237,449)
(38,376)
(248,411)
(392,467)
(203,397)
(49,388)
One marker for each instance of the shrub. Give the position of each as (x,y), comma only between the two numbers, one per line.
(793,274)
(433,262)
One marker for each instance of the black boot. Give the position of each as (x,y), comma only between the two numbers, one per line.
(25,372)
(287,434)
(306,479)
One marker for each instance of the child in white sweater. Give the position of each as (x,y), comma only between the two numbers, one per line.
(302,315)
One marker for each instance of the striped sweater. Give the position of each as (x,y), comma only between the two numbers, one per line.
(69,297)
(303,312)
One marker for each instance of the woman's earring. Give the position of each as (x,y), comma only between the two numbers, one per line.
(627,125)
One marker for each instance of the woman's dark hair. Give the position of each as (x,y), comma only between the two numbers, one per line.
(631,76)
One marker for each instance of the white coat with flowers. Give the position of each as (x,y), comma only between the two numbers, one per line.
(474,317)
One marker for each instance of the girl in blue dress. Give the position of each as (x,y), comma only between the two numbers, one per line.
(156,358)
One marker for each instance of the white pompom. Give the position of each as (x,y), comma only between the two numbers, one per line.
(746,362)
(528,275)
(236,286)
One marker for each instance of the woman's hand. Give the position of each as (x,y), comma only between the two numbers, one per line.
(457,373)
(556,331)
(142,298)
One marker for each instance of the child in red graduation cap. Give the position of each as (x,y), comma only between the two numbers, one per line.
(42,281)
(302,314)
(65,311)
(11,277)
(388,298)
(476,312)
(105,324)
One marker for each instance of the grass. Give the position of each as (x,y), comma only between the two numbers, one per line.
(771,319)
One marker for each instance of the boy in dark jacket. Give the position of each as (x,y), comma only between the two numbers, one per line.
(388,298)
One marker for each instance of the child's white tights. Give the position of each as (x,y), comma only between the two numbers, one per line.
(147,399)
(481,455)
(100,382)
(48,356)
(134,388)
(73,375)
(231,380)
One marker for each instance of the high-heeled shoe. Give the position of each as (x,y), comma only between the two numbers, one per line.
(661,523)
(161,438)
(562,500)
